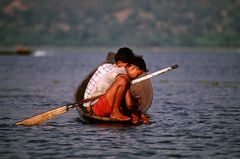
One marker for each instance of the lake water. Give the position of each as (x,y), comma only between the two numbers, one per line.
(195,111)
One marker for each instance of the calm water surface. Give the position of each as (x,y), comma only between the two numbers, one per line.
(195,111)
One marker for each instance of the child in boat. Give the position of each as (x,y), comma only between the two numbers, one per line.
(116,84)
(123,57)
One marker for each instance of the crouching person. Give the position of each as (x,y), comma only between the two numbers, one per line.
(116,86)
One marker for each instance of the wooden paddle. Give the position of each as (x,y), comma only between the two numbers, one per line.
(35,120)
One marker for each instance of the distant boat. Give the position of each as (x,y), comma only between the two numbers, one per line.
(17,51)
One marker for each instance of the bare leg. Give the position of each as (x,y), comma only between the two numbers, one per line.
(131,102)
(145,119)
(115,95)
(135,118)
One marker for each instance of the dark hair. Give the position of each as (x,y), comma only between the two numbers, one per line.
(139,62)
(125,55)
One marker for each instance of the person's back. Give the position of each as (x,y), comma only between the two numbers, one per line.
(101,71)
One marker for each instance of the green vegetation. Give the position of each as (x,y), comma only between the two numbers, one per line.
(160,23)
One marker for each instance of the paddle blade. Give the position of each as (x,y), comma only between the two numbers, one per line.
(35,120)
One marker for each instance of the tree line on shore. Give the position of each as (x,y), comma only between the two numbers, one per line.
(160,23)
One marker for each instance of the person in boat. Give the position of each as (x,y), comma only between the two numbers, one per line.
(123,57)
(116,86)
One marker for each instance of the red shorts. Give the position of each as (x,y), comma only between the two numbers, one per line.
(102,107)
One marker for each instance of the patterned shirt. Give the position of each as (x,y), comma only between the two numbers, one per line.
(101,71)
(106,81)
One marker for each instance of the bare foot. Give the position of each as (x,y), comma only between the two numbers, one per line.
(135,119)
(145,119)
(120,117)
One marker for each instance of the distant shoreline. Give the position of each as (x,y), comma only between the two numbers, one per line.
(135,49)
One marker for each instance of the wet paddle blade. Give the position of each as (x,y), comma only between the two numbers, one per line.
(45,116)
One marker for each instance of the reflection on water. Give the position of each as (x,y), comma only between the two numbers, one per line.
(195,111)
(40,53)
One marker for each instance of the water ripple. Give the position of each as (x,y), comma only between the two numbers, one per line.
(195,111)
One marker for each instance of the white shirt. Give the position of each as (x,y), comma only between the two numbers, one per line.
(106,81)
(101,71)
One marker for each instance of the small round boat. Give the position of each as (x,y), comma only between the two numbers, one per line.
(142,89)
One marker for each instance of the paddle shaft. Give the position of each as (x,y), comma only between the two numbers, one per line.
(37,119)
(154,74)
